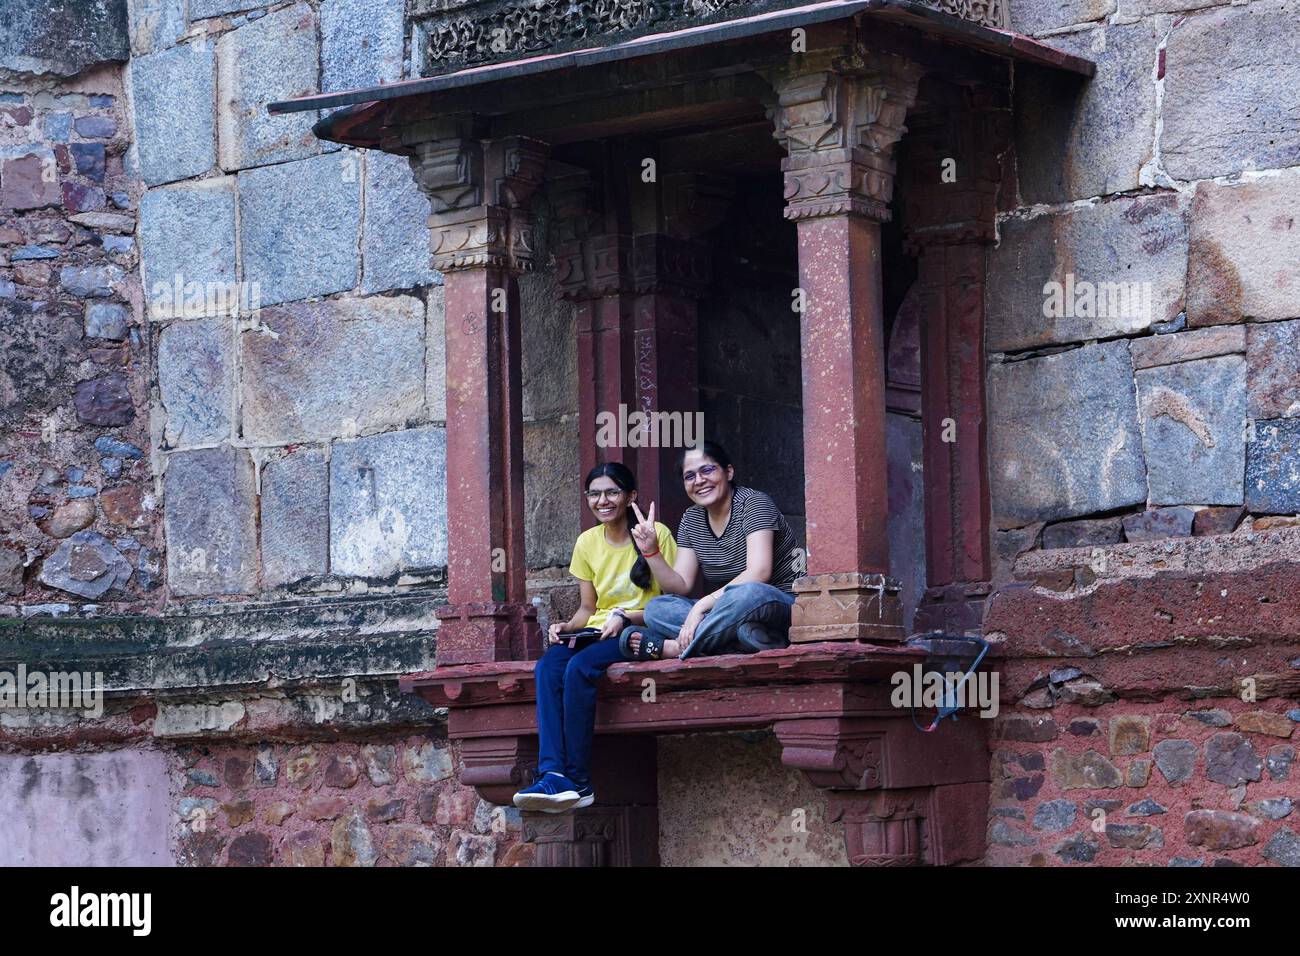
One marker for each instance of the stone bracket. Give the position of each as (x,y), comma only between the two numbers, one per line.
(848,606)
(480,633)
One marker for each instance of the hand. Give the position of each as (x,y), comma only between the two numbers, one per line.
(614,625)
(644,532)
(693,619)
(554,631)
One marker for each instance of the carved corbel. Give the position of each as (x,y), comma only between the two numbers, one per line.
(838,125)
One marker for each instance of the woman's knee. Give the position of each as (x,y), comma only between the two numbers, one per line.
(666,610)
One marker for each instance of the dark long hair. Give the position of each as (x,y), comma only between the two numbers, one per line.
(622,476)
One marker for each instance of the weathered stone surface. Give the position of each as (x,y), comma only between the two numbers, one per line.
(202,9)
(11,571)
(471,849)
(1175,759)
(384,811)
(87,565)
(395,236)
(341,771)
(1283,848)
(1262,722)
(1211,718)
(1244,256)
(210,520)
(1034,729)
(107,320)
(1002,833)
(27,180)
(409,845)
(1279,760)
(175,135)
(1063,436)
(295,518)
(1223,520)
(388,503)
(196,373)
(1034,17)
(1055,815)
(1146,808)
(380,762)
(1273,467)
(62,36)
(1220,829)
(1157,523)
(1079,848)
(427,762)
(1134,836)
(272,58)
(342,367)
(1231,760)
(187,231)
(156,24)
(551,495)
(1116,266)
(1272,808)
(352,842)
(1130,734)
(1075,140)
(1089,770)
(1222,112)
(435,354)
(292,213)
(1087,533)
(105,400)
(87,282)
(127,506)
(304,848)
(1273,369)
(1187,346)
(1193,431)
(361,45)
(250,849)
(69,518)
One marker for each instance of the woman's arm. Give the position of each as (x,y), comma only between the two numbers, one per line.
(677,578)
(586,608)
(758,568)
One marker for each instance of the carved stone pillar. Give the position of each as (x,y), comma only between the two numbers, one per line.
(481,238)
(838,124)
(954,174)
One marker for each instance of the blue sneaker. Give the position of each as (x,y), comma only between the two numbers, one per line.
(586,797)
(553,793)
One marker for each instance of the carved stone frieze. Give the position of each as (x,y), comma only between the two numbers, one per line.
(453,34)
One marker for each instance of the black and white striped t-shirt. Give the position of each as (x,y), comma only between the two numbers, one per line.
(723,558)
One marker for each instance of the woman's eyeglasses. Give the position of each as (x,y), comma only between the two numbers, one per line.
(613,494)
(705,471)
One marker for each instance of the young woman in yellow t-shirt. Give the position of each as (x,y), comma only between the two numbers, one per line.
(615,583)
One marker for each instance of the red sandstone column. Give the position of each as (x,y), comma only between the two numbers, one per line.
(839,129)
(480,237)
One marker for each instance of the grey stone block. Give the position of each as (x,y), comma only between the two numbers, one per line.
(196,372)
(62,38)
(435,354)
(1193,430)
(187,231)
(388,503)
(156,24)
(361,44)
(1273,467)
(174,92)
(273,58)
(295,518)
(107,320)
(1171,348)
(1076,139)
(1244,251)
(298,226)
(1081,534)
(210,517)
(1224,110)
(1100,271)
(87,565)
(1033,17)
(552,489)
(549,364)
(202,9)
(1159,523)
(1273,369)
(338,368)
(95,281)
(395,237)
(1063,436)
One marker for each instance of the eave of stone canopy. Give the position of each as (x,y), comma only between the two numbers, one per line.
(361,117)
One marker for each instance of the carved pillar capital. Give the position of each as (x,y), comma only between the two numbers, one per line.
(838,125)
(478,194)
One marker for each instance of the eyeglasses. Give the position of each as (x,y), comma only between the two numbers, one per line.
(613,494)
(704,472)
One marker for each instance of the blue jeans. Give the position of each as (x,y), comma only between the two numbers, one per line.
(566,705)
(721,631)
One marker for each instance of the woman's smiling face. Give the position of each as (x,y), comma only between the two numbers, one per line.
(705,480)
(607,501)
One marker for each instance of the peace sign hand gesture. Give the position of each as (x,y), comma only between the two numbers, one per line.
(643,532)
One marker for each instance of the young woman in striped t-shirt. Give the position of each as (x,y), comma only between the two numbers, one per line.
(739,541)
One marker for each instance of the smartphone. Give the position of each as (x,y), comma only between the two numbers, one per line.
(581,638)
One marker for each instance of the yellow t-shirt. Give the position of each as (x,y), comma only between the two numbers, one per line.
(607,568)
